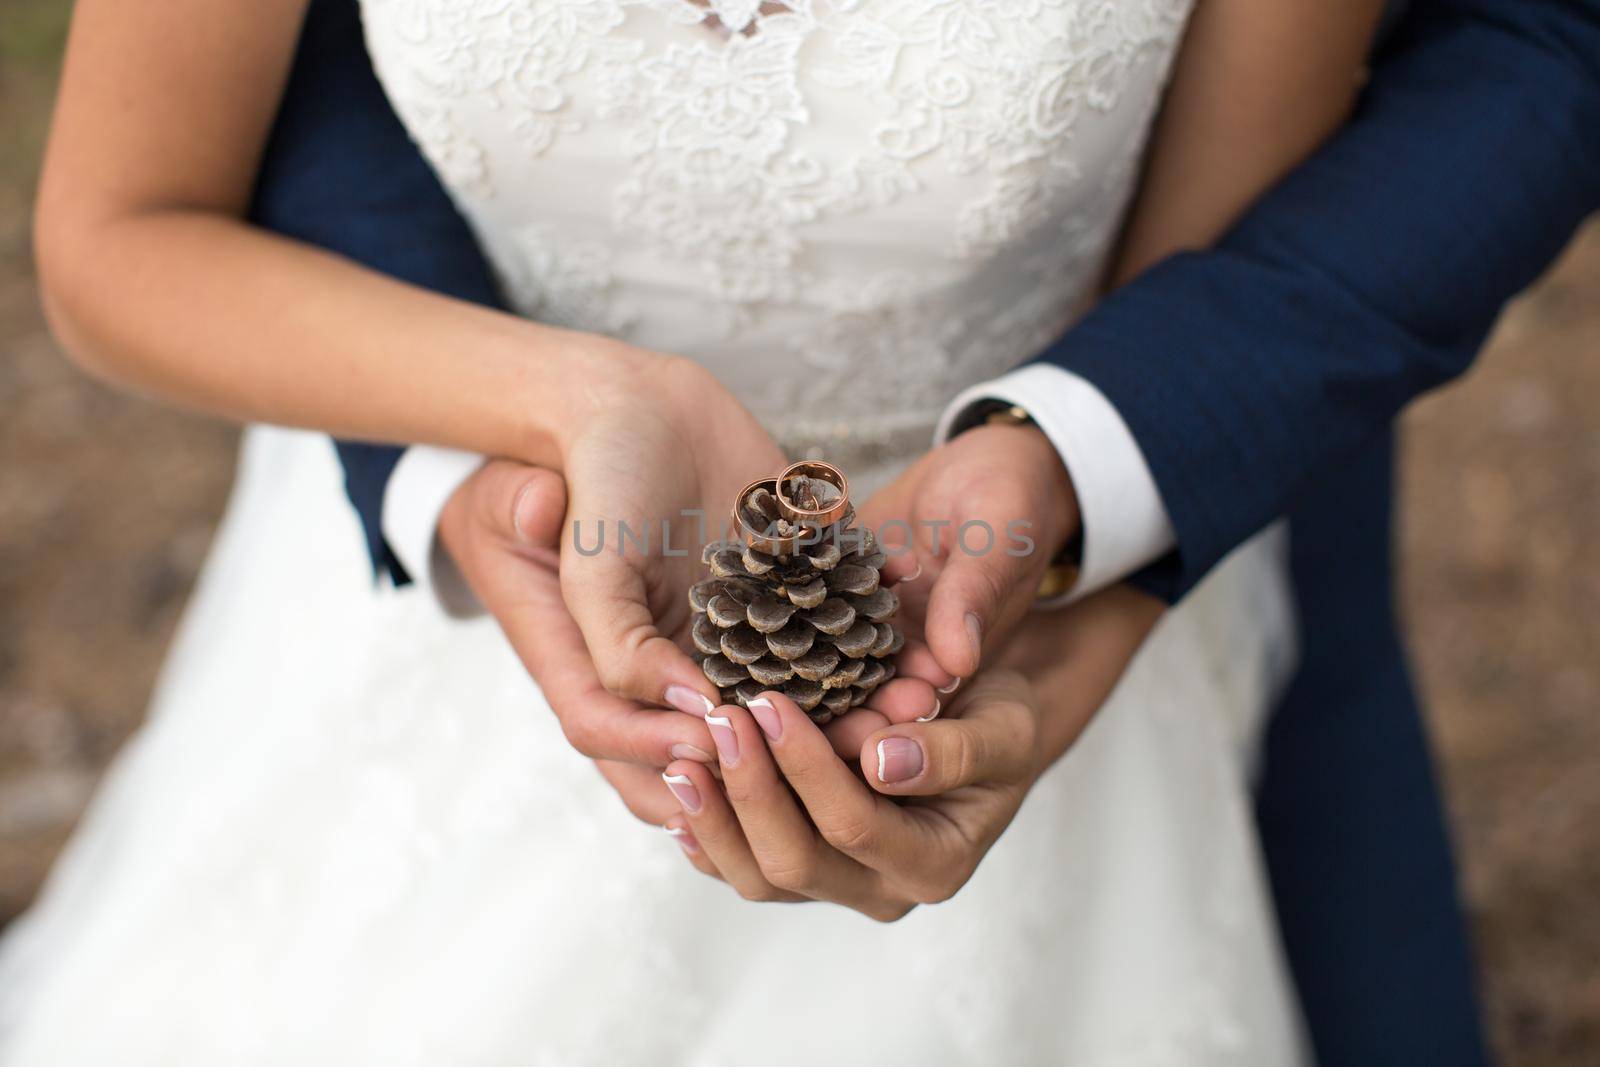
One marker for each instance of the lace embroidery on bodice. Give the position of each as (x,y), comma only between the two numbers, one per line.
(847,209)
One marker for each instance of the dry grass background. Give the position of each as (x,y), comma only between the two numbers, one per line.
(107,504)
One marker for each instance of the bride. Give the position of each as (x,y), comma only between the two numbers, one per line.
(352,830)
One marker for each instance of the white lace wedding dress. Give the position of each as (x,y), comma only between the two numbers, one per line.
(351,832)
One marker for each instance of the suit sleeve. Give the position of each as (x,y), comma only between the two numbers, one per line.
(1370,275)
(367,470)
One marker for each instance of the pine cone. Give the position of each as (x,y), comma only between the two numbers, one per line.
(812,624)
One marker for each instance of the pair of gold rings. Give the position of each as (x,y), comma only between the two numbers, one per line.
(794,505)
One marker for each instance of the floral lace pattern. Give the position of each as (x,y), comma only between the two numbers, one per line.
(861,207)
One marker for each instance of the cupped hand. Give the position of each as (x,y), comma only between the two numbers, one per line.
(790,822)
(832,838)
(502,529)
(652,474)
(971,529)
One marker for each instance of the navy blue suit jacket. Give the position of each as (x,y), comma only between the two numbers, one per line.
(1260,379)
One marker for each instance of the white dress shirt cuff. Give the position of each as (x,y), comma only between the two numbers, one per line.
(1125,524)
(420,486)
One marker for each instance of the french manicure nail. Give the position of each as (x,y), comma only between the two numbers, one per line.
(913,576)
(766,717)
(975,635)
(899,759)
(686,751)
(688,700)
(934,714)
(682,787)
(951,688)
(516,513)
(727,741)
(683,837)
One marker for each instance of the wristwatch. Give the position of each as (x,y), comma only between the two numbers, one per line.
(1062,573)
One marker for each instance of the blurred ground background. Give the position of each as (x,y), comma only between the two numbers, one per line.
(107,505)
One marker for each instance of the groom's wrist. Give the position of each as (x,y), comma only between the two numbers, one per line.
(1123,522)
(415,501)
(1051,491)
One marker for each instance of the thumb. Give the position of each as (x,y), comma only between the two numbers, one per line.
(977,596)
(991,737)
(608,597)
(518,503)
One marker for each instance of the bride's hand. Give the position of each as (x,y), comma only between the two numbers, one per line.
(502,527)
(965,775)
(662,446)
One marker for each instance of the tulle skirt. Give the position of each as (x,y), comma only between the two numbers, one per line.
(351,832)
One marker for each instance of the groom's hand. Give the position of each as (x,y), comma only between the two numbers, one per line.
(972,528)
(502,527)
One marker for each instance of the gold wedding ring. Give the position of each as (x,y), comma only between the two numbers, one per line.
(762,539)
(811,512)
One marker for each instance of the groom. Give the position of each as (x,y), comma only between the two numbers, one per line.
(1253,381)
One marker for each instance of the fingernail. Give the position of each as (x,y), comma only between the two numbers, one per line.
(683,837)
(913,576)
(766,717)
(699,755)
(951,688)
(683,788)
(934,714)
(975,635)
(727,741)
(688,700)
(899,759)
(516,513)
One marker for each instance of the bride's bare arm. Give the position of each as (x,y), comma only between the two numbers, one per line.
(152,278)
(1258,86)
